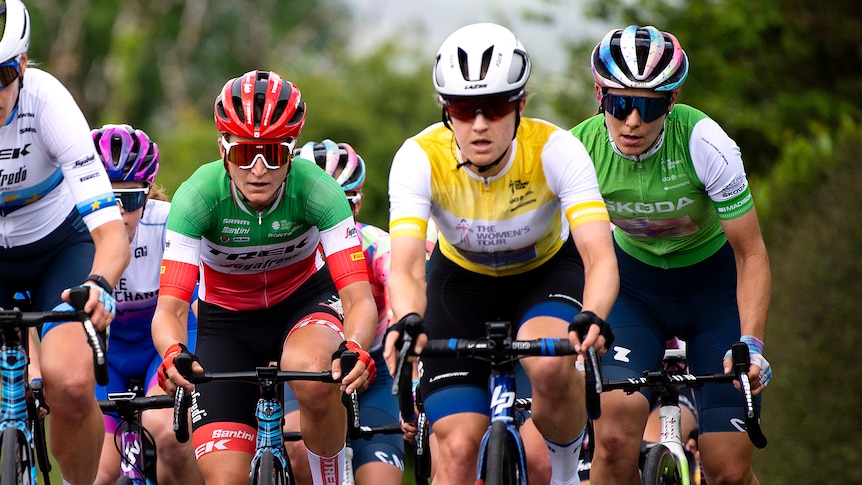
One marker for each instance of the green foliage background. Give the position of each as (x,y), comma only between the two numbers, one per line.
(783,77)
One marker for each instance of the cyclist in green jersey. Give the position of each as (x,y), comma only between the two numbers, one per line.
(282,279)
(691,256)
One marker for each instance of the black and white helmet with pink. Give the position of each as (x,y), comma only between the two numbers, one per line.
(639,58)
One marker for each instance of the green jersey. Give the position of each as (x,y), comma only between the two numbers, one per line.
(667,203)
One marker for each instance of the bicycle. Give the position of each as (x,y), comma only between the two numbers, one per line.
(502,459)
(135,445)
(269,465)
(666,462)
(23,449)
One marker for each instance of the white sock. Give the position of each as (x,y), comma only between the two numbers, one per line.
(564,460)
(326,470)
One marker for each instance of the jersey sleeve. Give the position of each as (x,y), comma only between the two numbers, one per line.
(66,135)
(328,209)
(572,176)
(409,192)
(718,163)
(187,221)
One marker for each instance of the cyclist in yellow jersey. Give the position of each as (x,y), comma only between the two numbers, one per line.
(522,237)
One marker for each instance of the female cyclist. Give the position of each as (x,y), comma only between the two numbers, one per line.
(59,227)
(379,460)
(282,279)
(132,161)
(692,260)
(523,237)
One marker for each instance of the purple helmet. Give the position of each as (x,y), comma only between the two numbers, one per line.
(127,153)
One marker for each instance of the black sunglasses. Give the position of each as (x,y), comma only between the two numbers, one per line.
(650,109)
(131,199)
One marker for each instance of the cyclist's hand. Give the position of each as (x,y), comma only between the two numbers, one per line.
(411,325)
(597,333)
(100,305)
(168,375)
(362,374)
(759,372)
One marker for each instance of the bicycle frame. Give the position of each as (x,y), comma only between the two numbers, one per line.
(666,384)
(269,411)
(502,351)
(14,382)
(131,446)
(18,408)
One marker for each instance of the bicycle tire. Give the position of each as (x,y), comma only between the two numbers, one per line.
(269,472)
(15,458)
(660,467)
(502,466)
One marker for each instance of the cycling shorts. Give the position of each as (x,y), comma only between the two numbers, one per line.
(241,341)
(461,301)
(45,268)
(696,303)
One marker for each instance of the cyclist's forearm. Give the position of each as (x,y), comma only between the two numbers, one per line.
(406,295)
(601,286)
(360,314)
(112,251)
(753,295)
(170,323)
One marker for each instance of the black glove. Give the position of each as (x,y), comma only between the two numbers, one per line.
(411,325)
(581,324)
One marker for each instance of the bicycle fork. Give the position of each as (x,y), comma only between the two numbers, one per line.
(13,379)
(669,422)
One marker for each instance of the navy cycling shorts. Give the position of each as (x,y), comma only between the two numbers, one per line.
(696,303)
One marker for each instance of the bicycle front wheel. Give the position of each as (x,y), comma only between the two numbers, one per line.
(660,467)
(269,472)
(15,458)
(503,464)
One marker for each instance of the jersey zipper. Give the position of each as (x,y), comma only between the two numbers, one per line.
(260,237)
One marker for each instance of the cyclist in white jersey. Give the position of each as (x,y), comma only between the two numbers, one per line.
(132,161)
(59,227)
(522,238)
(692,260)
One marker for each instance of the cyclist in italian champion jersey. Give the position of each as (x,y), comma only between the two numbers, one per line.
(692,260)
(522,237)
(379,460)
(282,278)
(131,159)
(59,227)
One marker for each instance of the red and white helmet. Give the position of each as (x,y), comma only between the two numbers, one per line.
(260,104)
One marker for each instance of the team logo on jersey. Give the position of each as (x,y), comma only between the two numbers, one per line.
(13,153)
(7,178)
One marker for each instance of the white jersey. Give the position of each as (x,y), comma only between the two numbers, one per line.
(138,289)
(48,165)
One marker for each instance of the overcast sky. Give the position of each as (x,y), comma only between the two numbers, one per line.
(434,20)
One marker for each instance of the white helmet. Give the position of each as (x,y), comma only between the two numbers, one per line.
(15,38)
(480,60)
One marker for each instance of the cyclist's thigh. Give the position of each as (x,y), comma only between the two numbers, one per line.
(62,260)
(378,407)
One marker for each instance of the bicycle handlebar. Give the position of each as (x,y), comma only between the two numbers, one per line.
(657,380)
(78,298)
(181,402)
(139,403)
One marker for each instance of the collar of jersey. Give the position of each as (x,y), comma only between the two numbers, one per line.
(240,201)
(642,156)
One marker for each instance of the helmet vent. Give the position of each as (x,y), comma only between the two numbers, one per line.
(464,64)
(518,67)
